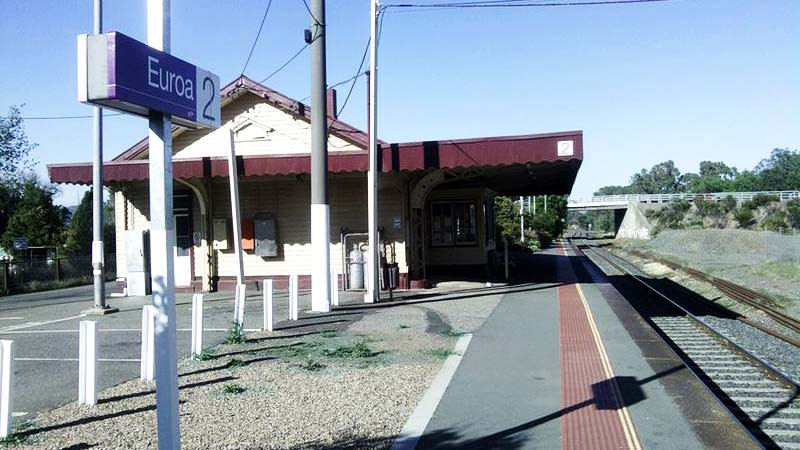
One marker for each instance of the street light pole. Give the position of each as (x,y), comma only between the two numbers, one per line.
(98,251)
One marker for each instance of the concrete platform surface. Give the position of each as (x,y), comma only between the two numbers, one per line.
(568,365)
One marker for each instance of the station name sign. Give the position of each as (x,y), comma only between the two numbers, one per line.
(121,73)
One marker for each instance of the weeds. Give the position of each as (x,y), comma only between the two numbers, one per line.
(439,352)
(16,438)
(357,350)
(301,349)
(235,334)
(311,365)
(206,354)
(236,362)
(328,334)
(232,389)
(452,333)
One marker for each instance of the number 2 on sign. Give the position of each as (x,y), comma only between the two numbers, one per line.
(208,80)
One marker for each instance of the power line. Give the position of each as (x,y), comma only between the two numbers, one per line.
(305,46)
(513,4)
(316,22)
(355,78)
(66,117)
(258,35)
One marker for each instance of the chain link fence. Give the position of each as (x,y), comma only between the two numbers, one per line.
(50,273)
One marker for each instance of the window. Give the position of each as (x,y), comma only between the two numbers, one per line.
(453,223)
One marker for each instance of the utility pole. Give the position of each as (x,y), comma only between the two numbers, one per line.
(162,246)
(373,290)
(98,251)
(320,209)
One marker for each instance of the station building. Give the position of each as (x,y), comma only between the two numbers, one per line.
(436,198)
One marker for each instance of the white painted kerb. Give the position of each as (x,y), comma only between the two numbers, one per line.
(416,424)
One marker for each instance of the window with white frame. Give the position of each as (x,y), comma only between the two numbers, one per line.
(453,223)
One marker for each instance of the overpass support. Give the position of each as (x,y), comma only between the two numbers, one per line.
(619,216)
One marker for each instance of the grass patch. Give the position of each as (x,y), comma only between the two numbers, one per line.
(328,334)
(17,438)
(235,334)
(357,350)
(232,389)
(311,365)
(439,352)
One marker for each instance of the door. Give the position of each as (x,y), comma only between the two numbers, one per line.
(183,255)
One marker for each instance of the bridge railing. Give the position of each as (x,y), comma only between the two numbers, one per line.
(713,196)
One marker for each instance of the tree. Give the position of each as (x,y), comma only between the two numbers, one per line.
(78,239)
(36,217)
(779,172)
(14,146)
(663,178)
(615,190)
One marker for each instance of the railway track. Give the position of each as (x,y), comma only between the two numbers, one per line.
(762,398)
(739,293)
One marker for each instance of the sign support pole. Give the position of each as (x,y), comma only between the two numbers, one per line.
(236,218)
(373,289)
(162,244)
(320,209)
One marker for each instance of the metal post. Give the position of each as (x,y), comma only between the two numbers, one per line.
(505,255)
(334,286)
(371,279)
(162,246)
(294,308)
(87,363)
(6,388)
(147,358)
(269,316)
(545,203)
(521,220)
(240,297)
(197,325)
(320,209)
(98,250)
(534,206)
(236,216)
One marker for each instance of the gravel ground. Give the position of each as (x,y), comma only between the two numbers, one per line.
(351,388)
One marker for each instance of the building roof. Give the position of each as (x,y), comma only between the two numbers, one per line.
(510,164)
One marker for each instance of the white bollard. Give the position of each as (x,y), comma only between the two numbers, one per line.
(87,363)
(269,317)
(148,343)
(294,312)
(197,325)
(241,294)
(6,385)
(334,286)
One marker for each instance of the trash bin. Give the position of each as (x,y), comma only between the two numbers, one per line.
(391,276)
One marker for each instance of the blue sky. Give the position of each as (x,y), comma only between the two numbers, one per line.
(687,80)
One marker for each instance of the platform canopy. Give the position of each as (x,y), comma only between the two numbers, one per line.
(511,165)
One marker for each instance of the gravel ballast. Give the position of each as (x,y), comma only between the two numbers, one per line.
(352,388)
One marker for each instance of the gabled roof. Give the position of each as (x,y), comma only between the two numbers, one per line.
(243,84)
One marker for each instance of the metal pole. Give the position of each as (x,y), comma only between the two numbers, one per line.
(162,246)
(373,289)
(98,251)
(236,215)
(521,220)
(320,209)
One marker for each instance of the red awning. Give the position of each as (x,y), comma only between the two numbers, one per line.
(405,157)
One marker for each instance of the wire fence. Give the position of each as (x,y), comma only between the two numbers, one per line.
(49,273)
(712,196)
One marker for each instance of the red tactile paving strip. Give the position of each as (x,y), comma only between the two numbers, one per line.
(585,425)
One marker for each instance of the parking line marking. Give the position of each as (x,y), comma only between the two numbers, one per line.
(76,359)
(36,324)
(11,318)
(115,330)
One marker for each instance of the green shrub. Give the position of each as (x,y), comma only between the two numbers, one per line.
(671,215)
(760,200)
(793,209)
(357,350)
(235,334)
(776,221)
(744,217)
(232,388)
(728,204)
(707,208)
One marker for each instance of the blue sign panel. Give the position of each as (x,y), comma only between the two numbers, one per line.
(119,72)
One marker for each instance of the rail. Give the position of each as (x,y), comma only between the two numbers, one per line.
(712,196)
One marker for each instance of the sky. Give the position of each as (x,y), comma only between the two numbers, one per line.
(686,80)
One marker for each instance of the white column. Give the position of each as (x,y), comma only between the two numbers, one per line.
(294,309)
(197,325)
(240,296)
(87,363)
(147,372)
(6,387)
(320,247)
(269,316)
(372,266)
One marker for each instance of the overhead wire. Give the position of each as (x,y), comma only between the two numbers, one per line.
(512,4)
(258,35)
